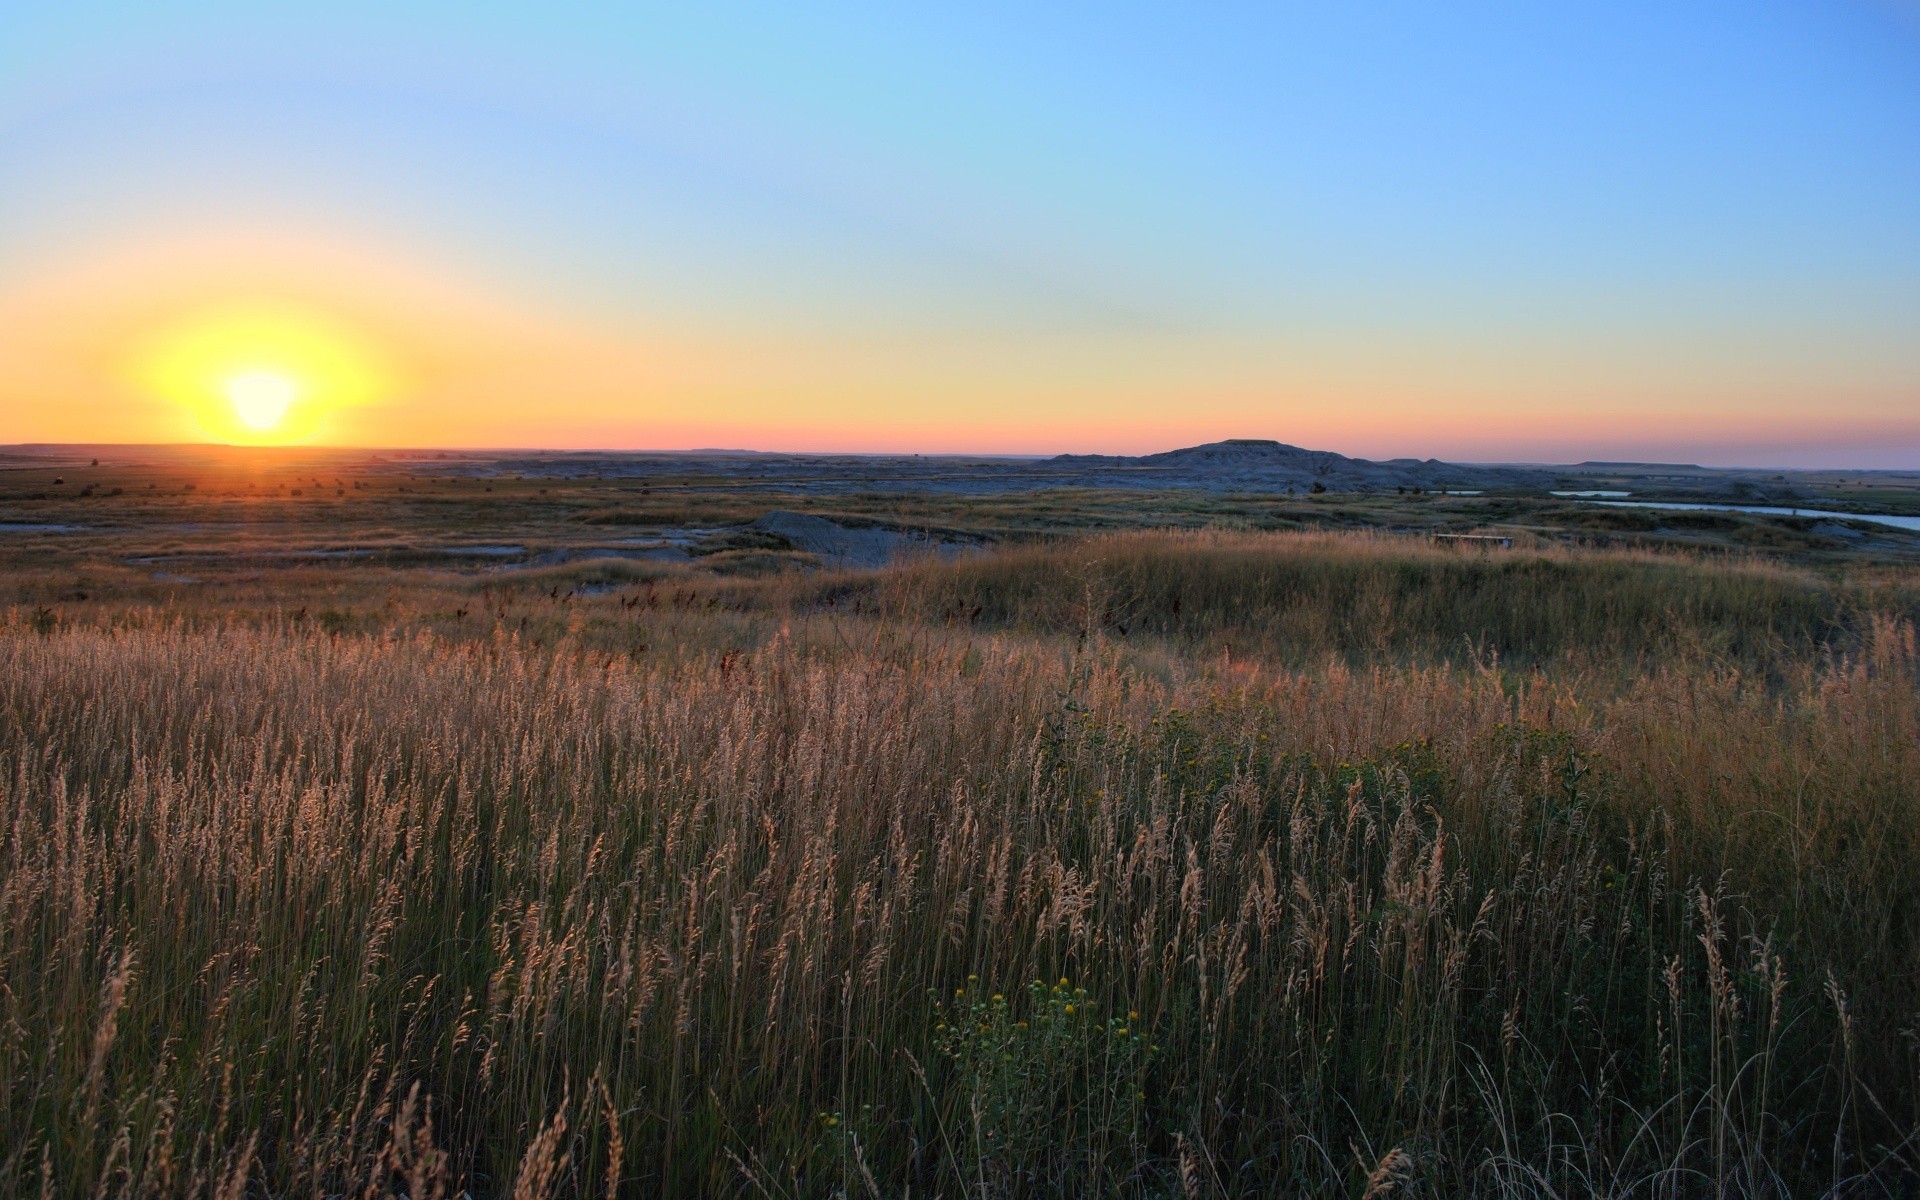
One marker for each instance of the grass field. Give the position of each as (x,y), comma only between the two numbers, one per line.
(1146,864)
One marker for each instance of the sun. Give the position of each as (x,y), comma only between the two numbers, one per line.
(261,398)
(262,374)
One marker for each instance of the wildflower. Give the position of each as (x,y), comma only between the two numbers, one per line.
(999,999)
(832,1121)
(1122,1031)
(1069,1010)
(1132,1015)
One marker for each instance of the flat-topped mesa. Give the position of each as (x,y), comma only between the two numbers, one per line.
(1247,452)
(1596,464)
(1266,465)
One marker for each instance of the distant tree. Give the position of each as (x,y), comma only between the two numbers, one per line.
(1318,487)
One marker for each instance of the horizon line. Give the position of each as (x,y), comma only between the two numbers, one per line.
(1041,456)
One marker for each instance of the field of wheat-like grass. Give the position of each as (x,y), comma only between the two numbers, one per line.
(1143,866)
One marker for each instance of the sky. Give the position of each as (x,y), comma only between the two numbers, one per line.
(1676,231)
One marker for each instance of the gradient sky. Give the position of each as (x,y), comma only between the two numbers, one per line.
(1478,231)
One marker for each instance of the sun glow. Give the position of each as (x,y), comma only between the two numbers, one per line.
(262,374)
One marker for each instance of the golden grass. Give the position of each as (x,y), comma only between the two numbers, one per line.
(870,897)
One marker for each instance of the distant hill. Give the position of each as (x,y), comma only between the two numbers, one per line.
(1600,464)
(1261,464)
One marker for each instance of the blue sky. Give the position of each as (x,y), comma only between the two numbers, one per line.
(1482,230)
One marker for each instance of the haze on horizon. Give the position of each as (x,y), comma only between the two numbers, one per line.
(1480,232)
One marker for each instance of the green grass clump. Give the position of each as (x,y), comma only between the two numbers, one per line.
(1051,1091)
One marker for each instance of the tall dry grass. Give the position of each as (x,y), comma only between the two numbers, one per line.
(840,906)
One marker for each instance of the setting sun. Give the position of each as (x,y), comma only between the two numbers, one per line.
(262,374)
(261,398)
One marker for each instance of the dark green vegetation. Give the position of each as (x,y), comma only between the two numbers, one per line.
(1160,863)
